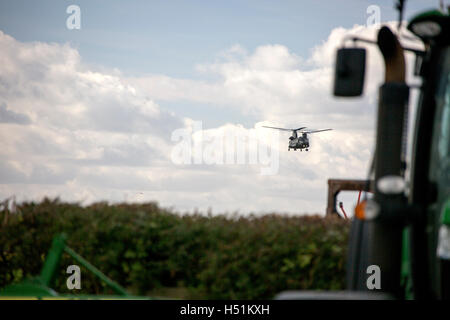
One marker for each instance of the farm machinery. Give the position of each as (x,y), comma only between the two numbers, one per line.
(402,234)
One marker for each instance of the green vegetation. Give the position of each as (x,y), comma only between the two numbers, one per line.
(151,250)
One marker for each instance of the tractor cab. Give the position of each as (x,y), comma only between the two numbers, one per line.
(402,234)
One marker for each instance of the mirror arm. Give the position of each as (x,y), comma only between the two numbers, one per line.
(356,39)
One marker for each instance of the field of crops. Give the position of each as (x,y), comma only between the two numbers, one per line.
(154,251)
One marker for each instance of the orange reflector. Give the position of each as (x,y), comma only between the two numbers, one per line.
(360,210)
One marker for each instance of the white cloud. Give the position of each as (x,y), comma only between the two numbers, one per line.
(94,135)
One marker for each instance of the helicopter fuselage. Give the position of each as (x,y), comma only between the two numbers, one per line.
(301,142)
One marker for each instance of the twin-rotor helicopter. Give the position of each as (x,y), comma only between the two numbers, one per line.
(298,140)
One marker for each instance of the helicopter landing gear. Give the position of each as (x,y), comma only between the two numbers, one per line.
(306,149)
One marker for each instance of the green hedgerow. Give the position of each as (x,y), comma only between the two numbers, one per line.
(144,247)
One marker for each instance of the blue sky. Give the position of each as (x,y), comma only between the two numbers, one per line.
(88,114)
(171,37)
(141,37)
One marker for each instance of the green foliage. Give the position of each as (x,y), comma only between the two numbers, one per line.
(144,247)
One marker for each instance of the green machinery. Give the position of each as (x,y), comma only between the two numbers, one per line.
(40,287)
(404,230)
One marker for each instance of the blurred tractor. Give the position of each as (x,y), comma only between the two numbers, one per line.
(402,234)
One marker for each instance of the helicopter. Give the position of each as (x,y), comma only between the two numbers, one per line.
(298,142)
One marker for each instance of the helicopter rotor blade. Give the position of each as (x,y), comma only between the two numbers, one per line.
(314,131)
(285,129)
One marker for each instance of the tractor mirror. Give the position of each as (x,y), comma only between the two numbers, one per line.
(349,72)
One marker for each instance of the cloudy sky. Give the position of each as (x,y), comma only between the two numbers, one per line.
(95,113)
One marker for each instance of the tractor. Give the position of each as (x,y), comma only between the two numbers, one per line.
(402,234)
